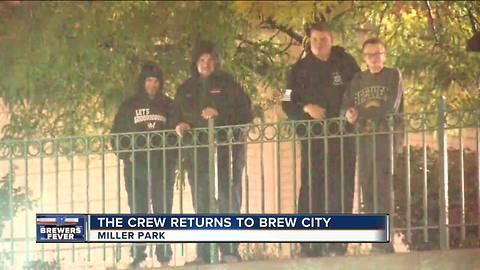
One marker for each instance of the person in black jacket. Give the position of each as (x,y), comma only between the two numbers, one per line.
(147,110)
(315,87)
(212,93)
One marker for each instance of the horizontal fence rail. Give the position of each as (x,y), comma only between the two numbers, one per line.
(422,168)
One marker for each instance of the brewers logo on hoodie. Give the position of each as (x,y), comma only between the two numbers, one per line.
(141,113)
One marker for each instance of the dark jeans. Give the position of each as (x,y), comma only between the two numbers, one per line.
(161,196)
(374,173)
(314,194)
(230,171)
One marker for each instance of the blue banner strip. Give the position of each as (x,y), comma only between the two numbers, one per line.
(238,222)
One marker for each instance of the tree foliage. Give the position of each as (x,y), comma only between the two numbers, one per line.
(66,66)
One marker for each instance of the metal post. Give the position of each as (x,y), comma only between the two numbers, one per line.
(211,165)
(211,180)
(443,175)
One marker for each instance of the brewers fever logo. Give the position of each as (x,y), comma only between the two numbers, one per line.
(60,228)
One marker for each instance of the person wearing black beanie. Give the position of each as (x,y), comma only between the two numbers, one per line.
(149,110)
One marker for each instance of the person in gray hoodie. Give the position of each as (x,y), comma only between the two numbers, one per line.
(373,95)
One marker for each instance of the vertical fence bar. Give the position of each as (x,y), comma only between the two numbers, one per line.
(149,185)
(278,170)
(211,180)
(342,132)
(294,178)
(477,148)
(357,157)
(230,169)
(102,149)
(294,166)
(462,182)
(181,178)
(230,141)
(10,202)
(326,133)
(149,174)
(72,167)
(231,157)
(309,150)
(277,174)
(375,176)
(164,171)
(443,175)
(42,206)
(262,170)
(211,165)
(87,183)
(133,183)
(325,164)
(134,188)
(195,167)
(310,187)
(425,185)
(181,174)
(26,204)
(164,180)
(247,179)
(118,253)
(55,151)
(408,181)
(391,176)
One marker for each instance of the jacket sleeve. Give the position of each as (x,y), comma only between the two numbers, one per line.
(351,69)
(293,98)
(120,125)
(347,100)
(394,98)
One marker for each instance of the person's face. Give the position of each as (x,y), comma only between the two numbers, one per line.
(205,65)
(374,55)
(321,43)
(151,85)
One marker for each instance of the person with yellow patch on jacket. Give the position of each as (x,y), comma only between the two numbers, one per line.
(212,93)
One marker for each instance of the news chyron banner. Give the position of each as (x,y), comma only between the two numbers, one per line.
(111,228)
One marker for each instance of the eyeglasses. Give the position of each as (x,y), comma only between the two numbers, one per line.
(371,55)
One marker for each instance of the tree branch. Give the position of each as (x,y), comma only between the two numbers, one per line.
(284,29)
(473,22)
(432,24)
(287,47)
(381,18)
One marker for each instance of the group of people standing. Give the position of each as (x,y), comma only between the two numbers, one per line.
(327,83)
